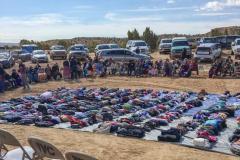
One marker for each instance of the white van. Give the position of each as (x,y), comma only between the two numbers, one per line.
(208,52)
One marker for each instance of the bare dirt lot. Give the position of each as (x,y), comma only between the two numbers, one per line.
(108,147)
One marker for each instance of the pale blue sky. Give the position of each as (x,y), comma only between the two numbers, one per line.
(50,19)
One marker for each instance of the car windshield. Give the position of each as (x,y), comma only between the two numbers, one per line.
(114,46)
(180,43)
(231,39)
(138,44)
(103,47)
(166,41)
(58,48)
(3,56)
(77,48)
(38,52)
(209,40)
(29,48)
(238,42)
(203,49)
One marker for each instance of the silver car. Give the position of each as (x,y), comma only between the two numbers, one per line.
(165,46)
(78,51)
(120,54)
(58,51)
(39,56)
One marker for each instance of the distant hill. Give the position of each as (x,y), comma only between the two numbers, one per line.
(232,30)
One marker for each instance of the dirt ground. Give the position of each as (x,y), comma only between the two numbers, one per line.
(108,147)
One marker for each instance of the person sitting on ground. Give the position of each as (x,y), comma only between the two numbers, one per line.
(9,83)
(56,72)
(227,67)
(153,71)
(16,78)
(113,68)
(212,71)
(194,65)
(167,68)
(237,69)
(185,70)
(160,67)
(174,68)
(131,68)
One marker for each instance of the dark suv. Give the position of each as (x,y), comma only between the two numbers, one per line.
(124,55)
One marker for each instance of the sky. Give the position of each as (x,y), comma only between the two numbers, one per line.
(57,19)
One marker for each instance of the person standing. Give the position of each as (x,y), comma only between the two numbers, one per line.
(66,70)
(48,72)
(73,68)
(2,79)
(23,75)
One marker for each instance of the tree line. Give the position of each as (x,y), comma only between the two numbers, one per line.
(148,36)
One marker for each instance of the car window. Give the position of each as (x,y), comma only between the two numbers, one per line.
(77,48)
(166,41)
(231,38)
(209,40)
(58,48)
(238,42)
(103,47)
(38,53)
(180,43)
(138,44)
(117,52)
(114,46)
(203,49)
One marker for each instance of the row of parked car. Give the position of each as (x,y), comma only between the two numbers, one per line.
(31,52)
(207,48)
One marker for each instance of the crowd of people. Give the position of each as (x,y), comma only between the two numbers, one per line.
(224,67)
(74,70)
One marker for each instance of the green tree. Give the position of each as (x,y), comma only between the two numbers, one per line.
(130,35)
(135,34)
(150,38)
(25,41)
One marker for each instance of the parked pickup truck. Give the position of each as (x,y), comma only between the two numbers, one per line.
(179,45)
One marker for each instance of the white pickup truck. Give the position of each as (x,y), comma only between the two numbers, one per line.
(236,48)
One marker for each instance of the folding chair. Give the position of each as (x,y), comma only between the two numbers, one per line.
(21,152)
(78,156)
(43,149)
